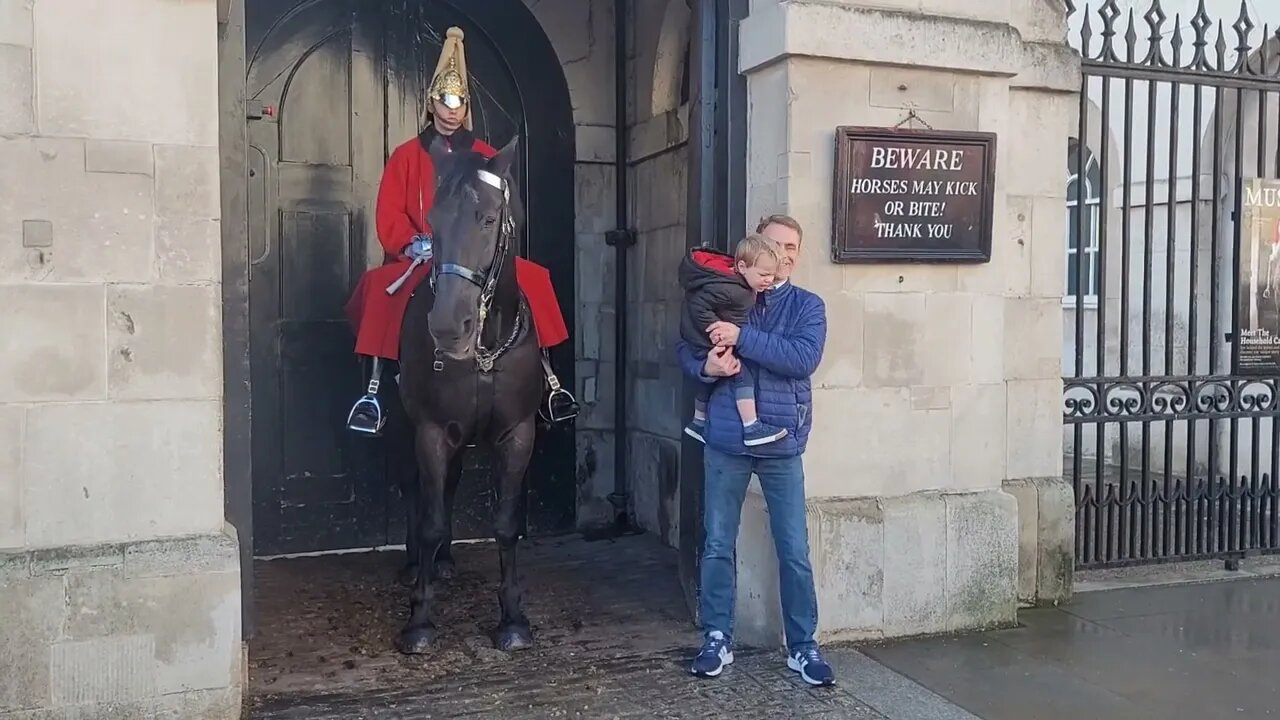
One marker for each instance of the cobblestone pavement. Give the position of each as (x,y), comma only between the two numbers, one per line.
(614,640)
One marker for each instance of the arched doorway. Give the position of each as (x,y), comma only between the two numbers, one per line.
(325,109)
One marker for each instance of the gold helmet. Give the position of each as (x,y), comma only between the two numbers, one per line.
(449,84)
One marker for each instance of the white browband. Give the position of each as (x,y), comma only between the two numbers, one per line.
(489,178)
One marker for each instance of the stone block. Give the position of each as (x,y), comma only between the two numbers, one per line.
(34,610)
(1046,539)
(922,89)
(155,636)
(887,567)
(187,182)
(915,562)
(55,341)
(17,78)
(163,457)
(948,324)
(595,201)
(596,277)
(103,670)
(894,332)
(1034,428)
(655,475)
(1032,338)
(190,250)
(978,436)
(1044,121)
(1048,254)
(104,236)
(982,560)
(848,547)
(117,156)
(595,450)
(190,623)
(870,442)
(172,55)
(987,339)
(15,22)
(843,357)
(12,529)
(597,414)
(901,279)
(164,342)
(594,143)
(60,560)
(758,604)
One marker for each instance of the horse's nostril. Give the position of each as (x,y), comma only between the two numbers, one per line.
(467,326)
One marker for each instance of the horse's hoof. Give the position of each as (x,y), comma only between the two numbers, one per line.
(416,640)
(408,575)
(444,569)
(515,637)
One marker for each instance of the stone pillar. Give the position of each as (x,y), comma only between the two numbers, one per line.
(934,467)
(118,578)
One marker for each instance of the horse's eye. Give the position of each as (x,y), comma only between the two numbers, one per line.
(489,220)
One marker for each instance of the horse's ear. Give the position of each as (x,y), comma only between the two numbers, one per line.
(502,163)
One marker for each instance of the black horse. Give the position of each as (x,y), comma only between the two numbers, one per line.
(470,371)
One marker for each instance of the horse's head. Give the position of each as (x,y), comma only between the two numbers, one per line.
(473,221)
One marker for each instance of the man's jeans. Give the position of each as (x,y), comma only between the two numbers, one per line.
(782,480)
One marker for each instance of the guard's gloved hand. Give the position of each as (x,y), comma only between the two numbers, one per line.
(420,247)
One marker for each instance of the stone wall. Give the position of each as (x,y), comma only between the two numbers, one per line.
(113,549)
(940,383)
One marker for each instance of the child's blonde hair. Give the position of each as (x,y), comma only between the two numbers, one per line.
(754,247)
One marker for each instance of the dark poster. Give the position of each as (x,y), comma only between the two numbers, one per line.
(913,195)
(1258,345)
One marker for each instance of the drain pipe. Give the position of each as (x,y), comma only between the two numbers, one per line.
(621,238)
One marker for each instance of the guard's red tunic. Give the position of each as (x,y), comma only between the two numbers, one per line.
(404,198)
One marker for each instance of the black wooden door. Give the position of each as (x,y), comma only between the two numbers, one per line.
(330,113)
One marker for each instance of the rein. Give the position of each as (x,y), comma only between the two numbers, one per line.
(487,281)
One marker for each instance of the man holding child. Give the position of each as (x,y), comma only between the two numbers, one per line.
(780,345)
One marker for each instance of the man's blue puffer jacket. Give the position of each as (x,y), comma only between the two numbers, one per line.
(783,342)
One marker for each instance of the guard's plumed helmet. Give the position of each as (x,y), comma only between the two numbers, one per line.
(449,84)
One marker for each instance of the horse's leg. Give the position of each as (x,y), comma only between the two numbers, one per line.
(444,556)
(512,454)
(433,460)
(405,463)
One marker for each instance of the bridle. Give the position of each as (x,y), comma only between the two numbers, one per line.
(487,281)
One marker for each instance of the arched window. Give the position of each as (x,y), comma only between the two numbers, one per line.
(1084,201)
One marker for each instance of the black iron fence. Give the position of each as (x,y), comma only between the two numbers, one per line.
(1172,337)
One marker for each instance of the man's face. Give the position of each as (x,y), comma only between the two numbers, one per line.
(788,241)
(447,119)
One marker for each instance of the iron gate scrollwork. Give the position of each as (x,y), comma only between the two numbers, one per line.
(1170,447)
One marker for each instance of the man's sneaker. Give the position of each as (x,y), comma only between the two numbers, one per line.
(713,656)
(697,429)
(812,668)
(758,433)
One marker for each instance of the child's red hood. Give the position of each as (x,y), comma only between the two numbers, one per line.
(714,260)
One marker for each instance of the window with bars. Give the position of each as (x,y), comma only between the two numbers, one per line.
(1084,201)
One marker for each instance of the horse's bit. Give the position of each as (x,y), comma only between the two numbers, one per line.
(487,281)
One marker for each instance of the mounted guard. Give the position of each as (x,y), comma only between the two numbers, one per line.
(405,197)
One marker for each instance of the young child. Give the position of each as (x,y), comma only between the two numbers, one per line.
(718,286)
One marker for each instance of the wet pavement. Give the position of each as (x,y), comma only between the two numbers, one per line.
(614,641)
(1199,652)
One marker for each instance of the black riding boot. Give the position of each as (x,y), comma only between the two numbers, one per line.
(366,415)
(561,406)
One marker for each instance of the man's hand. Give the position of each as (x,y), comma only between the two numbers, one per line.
(721,363)
(723,334)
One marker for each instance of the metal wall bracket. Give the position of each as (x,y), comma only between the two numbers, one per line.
(625,236)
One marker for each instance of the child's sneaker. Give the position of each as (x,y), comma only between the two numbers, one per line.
(758,433)
(697,429)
